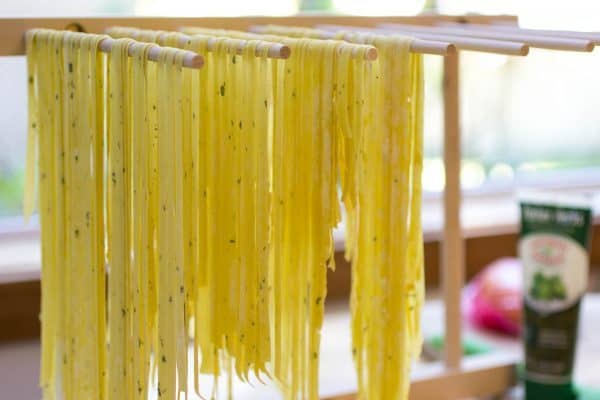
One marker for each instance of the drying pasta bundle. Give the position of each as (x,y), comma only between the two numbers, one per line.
(380,173)
(316,90)
(232,311)
(384,227)
(106,142)
(65,87)
(226,201)
(211,199)
(141,81)
(148,124)
(315,94)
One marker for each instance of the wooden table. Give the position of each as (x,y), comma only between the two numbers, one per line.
(19,362)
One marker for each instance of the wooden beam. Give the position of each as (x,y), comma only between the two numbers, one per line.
(19,313)
(487,376)
(12,30)
(452,244)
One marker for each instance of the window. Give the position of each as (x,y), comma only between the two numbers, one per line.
(526,118)
(13,136)
(13,117)
(522,118)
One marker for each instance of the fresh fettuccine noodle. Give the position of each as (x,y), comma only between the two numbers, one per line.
(305,207)
(211,198)
(227,234)
(143,301)
(107,142)
(381,183)
(118,204)
(385,238)
(313,95)
(65,79)
(171,330)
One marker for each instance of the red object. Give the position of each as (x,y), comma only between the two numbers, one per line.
(493,299)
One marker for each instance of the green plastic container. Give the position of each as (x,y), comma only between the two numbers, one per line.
(553,248)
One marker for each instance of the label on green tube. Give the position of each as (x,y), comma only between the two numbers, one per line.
(554,252)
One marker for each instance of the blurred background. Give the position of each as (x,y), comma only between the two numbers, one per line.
(525,120)
(530,121)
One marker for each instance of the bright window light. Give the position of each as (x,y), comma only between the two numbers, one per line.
(433,176)
(220,8)
(379,7)
(472,174)
(502,172)
(549,14)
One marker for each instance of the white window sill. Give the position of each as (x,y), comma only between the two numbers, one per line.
(19,258)
(482,215)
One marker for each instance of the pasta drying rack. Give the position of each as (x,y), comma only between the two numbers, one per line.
(454,377)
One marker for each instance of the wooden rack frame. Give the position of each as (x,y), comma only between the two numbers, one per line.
(455,377)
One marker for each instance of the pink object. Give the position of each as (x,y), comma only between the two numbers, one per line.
(493,299)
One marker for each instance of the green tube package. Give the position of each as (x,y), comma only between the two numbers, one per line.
(553,248)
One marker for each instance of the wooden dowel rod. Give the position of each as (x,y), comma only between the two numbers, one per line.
(452,245)
(275,50)
(474,44)
(190,59)
(593,36)
(13,29)
(432,47)
(369,55)
(460,42)
(542,42)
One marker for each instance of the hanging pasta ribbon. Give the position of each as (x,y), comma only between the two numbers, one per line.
(236,186)
(227,222)
(65,80)
(305,208)
(142,291)
(192,233)
(145,203)
(119,219)
(318,99)
(380,172)
(384,224)
(311,88)
(71,106)
(172,338)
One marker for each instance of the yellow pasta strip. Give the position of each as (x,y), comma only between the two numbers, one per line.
(70,273)
(206,309)
(183,228)
(388,284)
(167,257)
(117,135)
(33,109)
(382,194)
(83,98)
(304,211)
(243,330)
(218,210)
(41,97)
(86,370)
(72,332)
(181,130)
(59,222)
(153,211)
(98,213)
(141,337)
(262,101)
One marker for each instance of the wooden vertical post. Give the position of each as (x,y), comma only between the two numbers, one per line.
(452,246)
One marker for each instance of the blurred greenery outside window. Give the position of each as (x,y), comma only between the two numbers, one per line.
(521,116)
